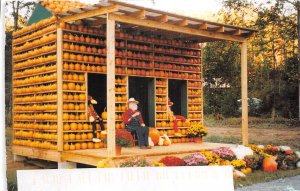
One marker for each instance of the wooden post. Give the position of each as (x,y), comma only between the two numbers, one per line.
(110,45)
(244,88)
(59,64)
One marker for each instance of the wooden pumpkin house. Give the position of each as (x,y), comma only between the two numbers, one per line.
(111,51)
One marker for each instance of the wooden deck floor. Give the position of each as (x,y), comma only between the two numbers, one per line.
(93,156)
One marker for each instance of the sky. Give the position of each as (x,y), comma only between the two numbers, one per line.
(203,9)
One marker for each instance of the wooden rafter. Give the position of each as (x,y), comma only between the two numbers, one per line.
(174,28)
(91,13)
(203,26)
(97,22)
(237,32)
(139,14)
(123,4)
(220,29)
(161,18)
(183,22)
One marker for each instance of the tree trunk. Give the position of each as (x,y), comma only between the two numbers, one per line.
(298,18)
(16,14)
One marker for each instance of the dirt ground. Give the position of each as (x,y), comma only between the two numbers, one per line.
(281,136)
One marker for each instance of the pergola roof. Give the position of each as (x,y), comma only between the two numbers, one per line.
(202,30)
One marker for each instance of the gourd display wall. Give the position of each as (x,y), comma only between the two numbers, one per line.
(35,113)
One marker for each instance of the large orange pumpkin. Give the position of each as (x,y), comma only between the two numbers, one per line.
(269,165)
(104,114)
(154,134)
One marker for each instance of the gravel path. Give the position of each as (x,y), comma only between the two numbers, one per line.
(285,184)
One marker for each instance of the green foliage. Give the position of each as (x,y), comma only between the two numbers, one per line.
(221,68)
(272,60)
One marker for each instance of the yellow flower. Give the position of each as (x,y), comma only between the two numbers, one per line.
(212,158)
(238,163)
(103,164)
(159,164)
(259,151)
(197,130)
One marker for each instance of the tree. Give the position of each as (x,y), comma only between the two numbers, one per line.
(20,6)
(296,4)
(272,48)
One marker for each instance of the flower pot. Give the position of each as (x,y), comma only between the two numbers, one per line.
(198,139)
(118,150)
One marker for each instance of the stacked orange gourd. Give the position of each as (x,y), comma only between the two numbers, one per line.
(34,85)
(35,26)
(35,61)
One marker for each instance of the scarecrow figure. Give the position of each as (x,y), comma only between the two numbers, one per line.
(133,121)
(94,118)
(173,118)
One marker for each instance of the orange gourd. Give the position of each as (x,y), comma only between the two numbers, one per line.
(269,165)
(154,134)
(66,147)
(104,114)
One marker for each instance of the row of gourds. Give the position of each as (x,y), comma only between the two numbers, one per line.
(36,126)
(35,79)
(36,98)
(33,35)
(34,71)
(34,26)
(130,36)
(35,61)
(35,88)
(28,45)
(35,107)
(83,67)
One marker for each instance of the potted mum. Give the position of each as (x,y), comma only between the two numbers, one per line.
(197,131)
(123,139)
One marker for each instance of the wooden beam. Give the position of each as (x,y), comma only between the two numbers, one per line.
(220,29)
(203,26)
(91,13)
(237,32)
(59,63)
(161,19)
(110,38)
(97,22)
(183,23)
(44,154)
(139,14)
(174,28)
(244,84)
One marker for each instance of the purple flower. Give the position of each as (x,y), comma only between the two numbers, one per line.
(195,159)
(224,153)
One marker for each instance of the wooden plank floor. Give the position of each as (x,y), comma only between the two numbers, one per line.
(93,156)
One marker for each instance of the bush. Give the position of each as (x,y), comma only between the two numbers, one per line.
(172,161)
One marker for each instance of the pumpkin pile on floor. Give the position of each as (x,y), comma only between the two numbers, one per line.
(244,160)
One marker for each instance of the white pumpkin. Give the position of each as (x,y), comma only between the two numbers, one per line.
(167,138)
(241,151)
(160,141)
(91,119)
(150,142)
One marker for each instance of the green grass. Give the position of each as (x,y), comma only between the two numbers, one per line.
(260,176)
(223,139)
(254,122)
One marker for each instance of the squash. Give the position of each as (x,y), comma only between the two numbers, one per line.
(104,114)
(154,134)
(90,145)
(77,146)
(72,147)
(66,147)
(269,165)
(83,146)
